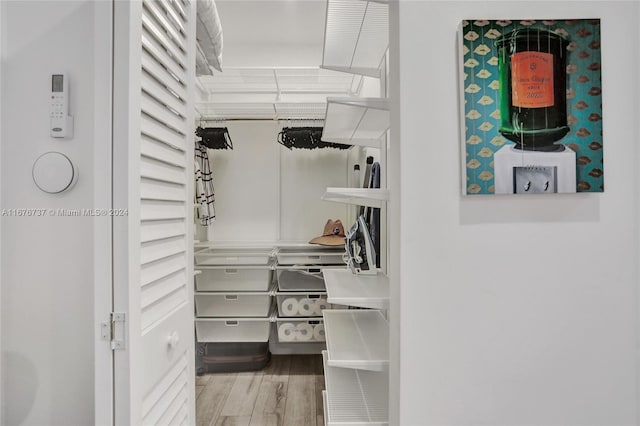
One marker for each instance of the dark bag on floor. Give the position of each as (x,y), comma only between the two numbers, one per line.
(231,357)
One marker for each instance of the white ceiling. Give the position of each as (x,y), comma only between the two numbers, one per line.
(272,33)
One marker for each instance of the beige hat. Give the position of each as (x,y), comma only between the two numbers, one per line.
(333,234)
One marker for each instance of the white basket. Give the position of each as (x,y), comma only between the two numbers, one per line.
(300,330)
(302,304)
(300,279)
(240,278)
(232,329)
(232,304)
(214,256)
(310,256)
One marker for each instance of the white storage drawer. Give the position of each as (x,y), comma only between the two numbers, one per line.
(232,329)
(300,279)
(232,304)
(300,330)
(214,256)
(302,304)
(234,278)
(310,256)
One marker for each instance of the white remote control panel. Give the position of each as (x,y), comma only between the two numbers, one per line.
(61,123)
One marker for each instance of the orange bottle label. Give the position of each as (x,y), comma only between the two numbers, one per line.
(532,79)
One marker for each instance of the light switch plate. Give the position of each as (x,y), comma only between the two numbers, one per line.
(535,180)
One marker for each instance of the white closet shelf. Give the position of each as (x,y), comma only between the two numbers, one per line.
(356,36)
(363,291)
(356,121)
(254,245)
(354,397)
(357,339)
(370,197)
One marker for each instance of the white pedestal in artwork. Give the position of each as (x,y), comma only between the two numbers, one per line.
(508,158)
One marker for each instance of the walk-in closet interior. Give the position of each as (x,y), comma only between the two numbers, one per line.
(290,214)
(275,233)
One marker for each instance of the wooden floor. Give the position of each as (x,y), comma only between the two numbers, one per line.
(288,392)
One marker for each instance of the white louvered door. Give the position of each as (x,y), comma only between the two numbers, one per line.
(154,77)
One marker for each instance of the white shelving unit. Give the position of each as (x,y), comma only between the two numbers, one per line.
(272,92)
(370,197)
(356,363)
(357,339)
(356,121)
(355,397)
(356,36)
(363,291)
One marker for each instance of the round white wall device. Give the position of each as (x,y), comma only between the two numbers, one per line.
(54,173)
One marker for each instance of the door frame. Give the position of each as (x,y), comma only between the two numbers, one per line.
(2,38)
(103,199)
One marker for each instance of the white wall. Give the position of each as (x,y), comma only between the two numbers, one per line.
(513,310)
(266,192)
(47,262)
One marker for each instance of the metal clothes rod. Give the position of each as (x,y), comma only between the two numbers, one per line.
(218,119)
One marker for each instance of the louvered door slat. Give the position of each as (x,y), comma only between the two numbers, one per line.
(157,270)
(158,170)
(157,230)
(159,64)
(173,410)
(154,315)
(161,113)
(164,386)
(179,8)
(162,133)
(161,249)
(157,190)
(173,14)
(176,55)
(159,210)
(161,18)
(160,151)
(162,94)
(155,291)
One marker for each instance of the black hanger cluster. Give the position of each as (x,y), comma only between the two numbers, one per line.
(306,138)
(215,137)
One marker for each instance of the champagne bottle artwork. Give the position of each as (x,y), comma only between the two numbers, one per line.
(533,107)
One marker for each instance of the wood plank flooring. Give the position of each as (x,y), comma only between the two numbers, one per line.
(288,392)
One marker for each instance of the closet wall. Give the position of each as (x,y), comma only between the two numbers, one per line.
(47,262)
(513,310)
(267,193)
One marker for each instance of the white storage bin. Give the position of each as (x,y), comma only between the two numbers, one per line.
(302,304)
(232,329)
(214,256)
(232,304)
(300,279)
(230,278)
(310,256)
(300,330)
(276,347)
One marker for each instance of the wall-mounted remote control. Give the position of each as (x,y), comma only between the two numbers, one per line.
(61,123)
